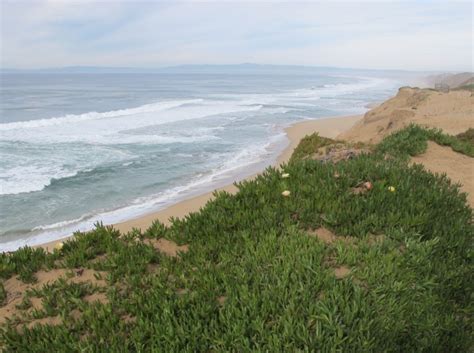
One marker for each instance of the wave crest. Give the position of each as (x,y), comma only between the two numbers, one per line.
(73,118)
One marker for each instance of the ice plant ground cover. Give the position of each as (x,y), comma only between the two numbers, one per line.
(325,269)
(412,141)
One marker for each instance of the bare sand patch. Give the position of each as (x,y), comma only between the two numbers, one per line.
(50,320)
(452,112)
(323,234)
(36,303)
(341,271)
(129,319)
(221,300)
(96,298)
(458,167)
(181,291)
(167,247)
(328,237)
(87,275)
(16,289)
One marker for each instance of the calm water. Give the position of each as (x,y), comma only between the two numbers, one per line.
(76,149)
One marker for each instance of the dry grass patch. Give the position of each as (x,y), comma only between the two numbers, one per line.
(339,152)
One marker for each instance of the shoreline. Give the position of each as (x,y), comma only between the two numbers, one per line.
(328,127)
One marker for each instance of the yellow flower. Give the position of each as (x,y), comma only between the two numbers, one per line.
(59,246)
(286,193)
(391,188)
(285,175)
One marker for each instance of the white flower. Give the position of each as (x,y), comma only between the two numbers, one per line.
(285,175)
(368,185)
(286,193)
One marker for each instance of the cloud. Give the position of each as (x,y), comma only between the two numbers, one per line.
(375,34)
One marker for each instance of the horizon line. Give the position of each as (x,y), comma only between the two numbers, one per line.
(208,65)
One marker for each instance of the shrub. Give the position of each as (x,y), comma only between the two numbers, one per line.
(467,136)
(309,145)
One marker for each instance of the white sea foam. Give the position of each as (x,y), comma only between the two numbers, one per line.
(23,179)
(247,160)
(71,118)
(121,127)
(34,171)
(37,173)
(303,96)
(118,128)
(62,224)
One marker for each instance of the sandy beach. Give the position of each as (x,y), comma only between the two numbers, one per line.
(327,127)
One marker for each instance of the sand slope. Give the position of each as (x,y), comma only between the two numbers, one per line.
(458,167)
(452,112)
(324,127)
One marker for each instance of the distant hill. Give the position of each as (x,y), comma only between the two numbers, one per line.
(468,82)
(452,80)
(245,68)
(80,70)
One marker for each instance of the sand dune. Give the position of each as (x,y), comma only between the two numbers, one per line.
(452,112)
(458,167)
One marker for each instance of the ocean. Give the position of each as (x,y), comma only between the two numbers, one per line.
(76,149)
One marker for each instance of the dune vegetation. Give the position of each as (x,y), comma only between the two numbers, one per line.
(369,254)
(467,136)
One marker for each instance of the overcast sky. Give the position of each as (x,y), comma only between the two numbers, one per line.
(413,35)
